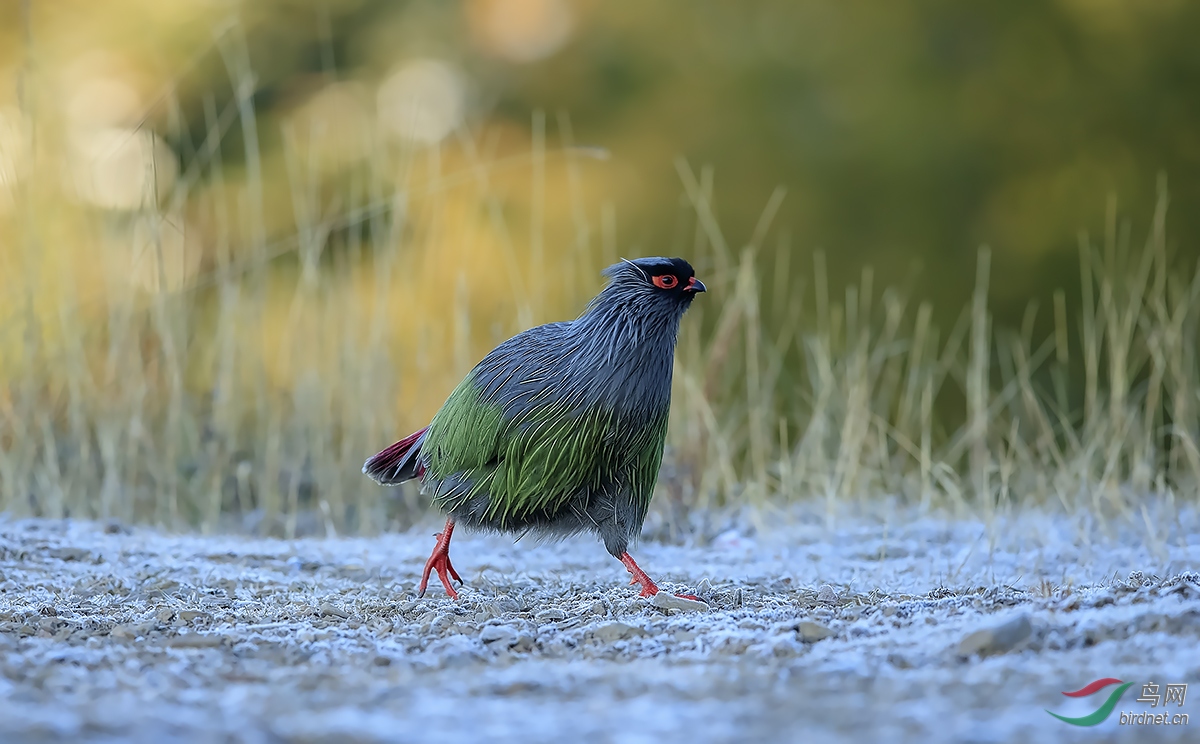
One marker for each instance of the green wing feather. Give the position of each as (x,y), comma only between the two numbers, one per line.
(536,464)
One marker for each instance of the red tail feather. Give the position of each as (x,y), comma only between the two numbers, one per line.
(397,463)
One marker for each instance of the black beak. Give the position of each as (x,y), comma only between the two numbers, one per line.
(695,285)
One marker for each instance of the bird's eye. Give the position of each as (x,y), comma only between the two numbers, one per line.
(666,281)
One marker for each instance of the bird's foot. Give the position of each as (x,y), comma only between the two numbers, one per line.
(649,588)
(439,561)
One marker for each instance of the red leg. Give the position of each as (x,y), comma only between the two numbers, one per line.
(440,560)
(649,588)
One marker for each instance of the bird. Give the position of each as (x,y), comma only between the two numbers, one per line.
(559,430)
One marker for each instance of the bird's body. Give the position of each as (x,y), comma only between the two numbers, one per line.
(561,428)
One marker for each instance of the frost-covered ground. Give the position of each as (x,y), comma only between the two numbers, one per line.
(864,630)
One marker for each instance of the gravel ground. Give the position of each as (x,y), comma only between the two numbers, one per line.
(889,626)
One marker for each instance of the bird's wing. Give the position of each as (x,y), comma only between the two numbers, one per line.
(510,430)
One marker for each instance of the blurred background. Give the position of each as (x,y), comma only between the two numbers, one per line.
(244,246)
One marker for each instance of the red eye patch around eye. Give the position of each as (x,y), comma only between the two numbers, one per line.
(666,281)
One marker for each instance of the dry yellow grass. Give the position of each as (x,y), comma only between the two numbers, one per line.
(174,362)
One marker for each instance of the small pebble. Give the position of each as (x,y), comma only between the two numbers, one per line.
(501,635)
(195,640)
(615,632)
(504,604)
(549,616)
(810,632)
(668,601)
(329,610)
(998,639)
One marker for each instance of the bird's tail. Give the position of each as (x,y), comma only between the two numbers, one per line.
(397,463)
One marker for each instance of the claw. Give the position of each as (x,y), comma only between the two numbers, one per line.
(439,560)
(649,588)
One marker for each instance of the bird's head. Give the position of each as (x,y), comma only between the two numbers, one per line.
(655,285)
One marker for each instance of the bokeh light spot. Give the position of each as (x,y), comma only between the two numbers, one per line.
(521,30)
(118,168)
(422,101)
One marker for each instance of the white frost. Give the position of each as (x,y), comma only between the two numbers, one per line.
(814,633)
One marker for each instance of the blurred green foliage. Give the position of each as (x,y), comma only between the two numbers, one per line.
(907,134)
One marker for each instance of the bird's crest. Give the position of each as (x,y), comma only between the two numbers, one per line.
(639,268)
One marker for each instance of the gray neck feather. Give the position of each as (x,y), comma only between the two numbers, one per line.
(618,355)
(626,342)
